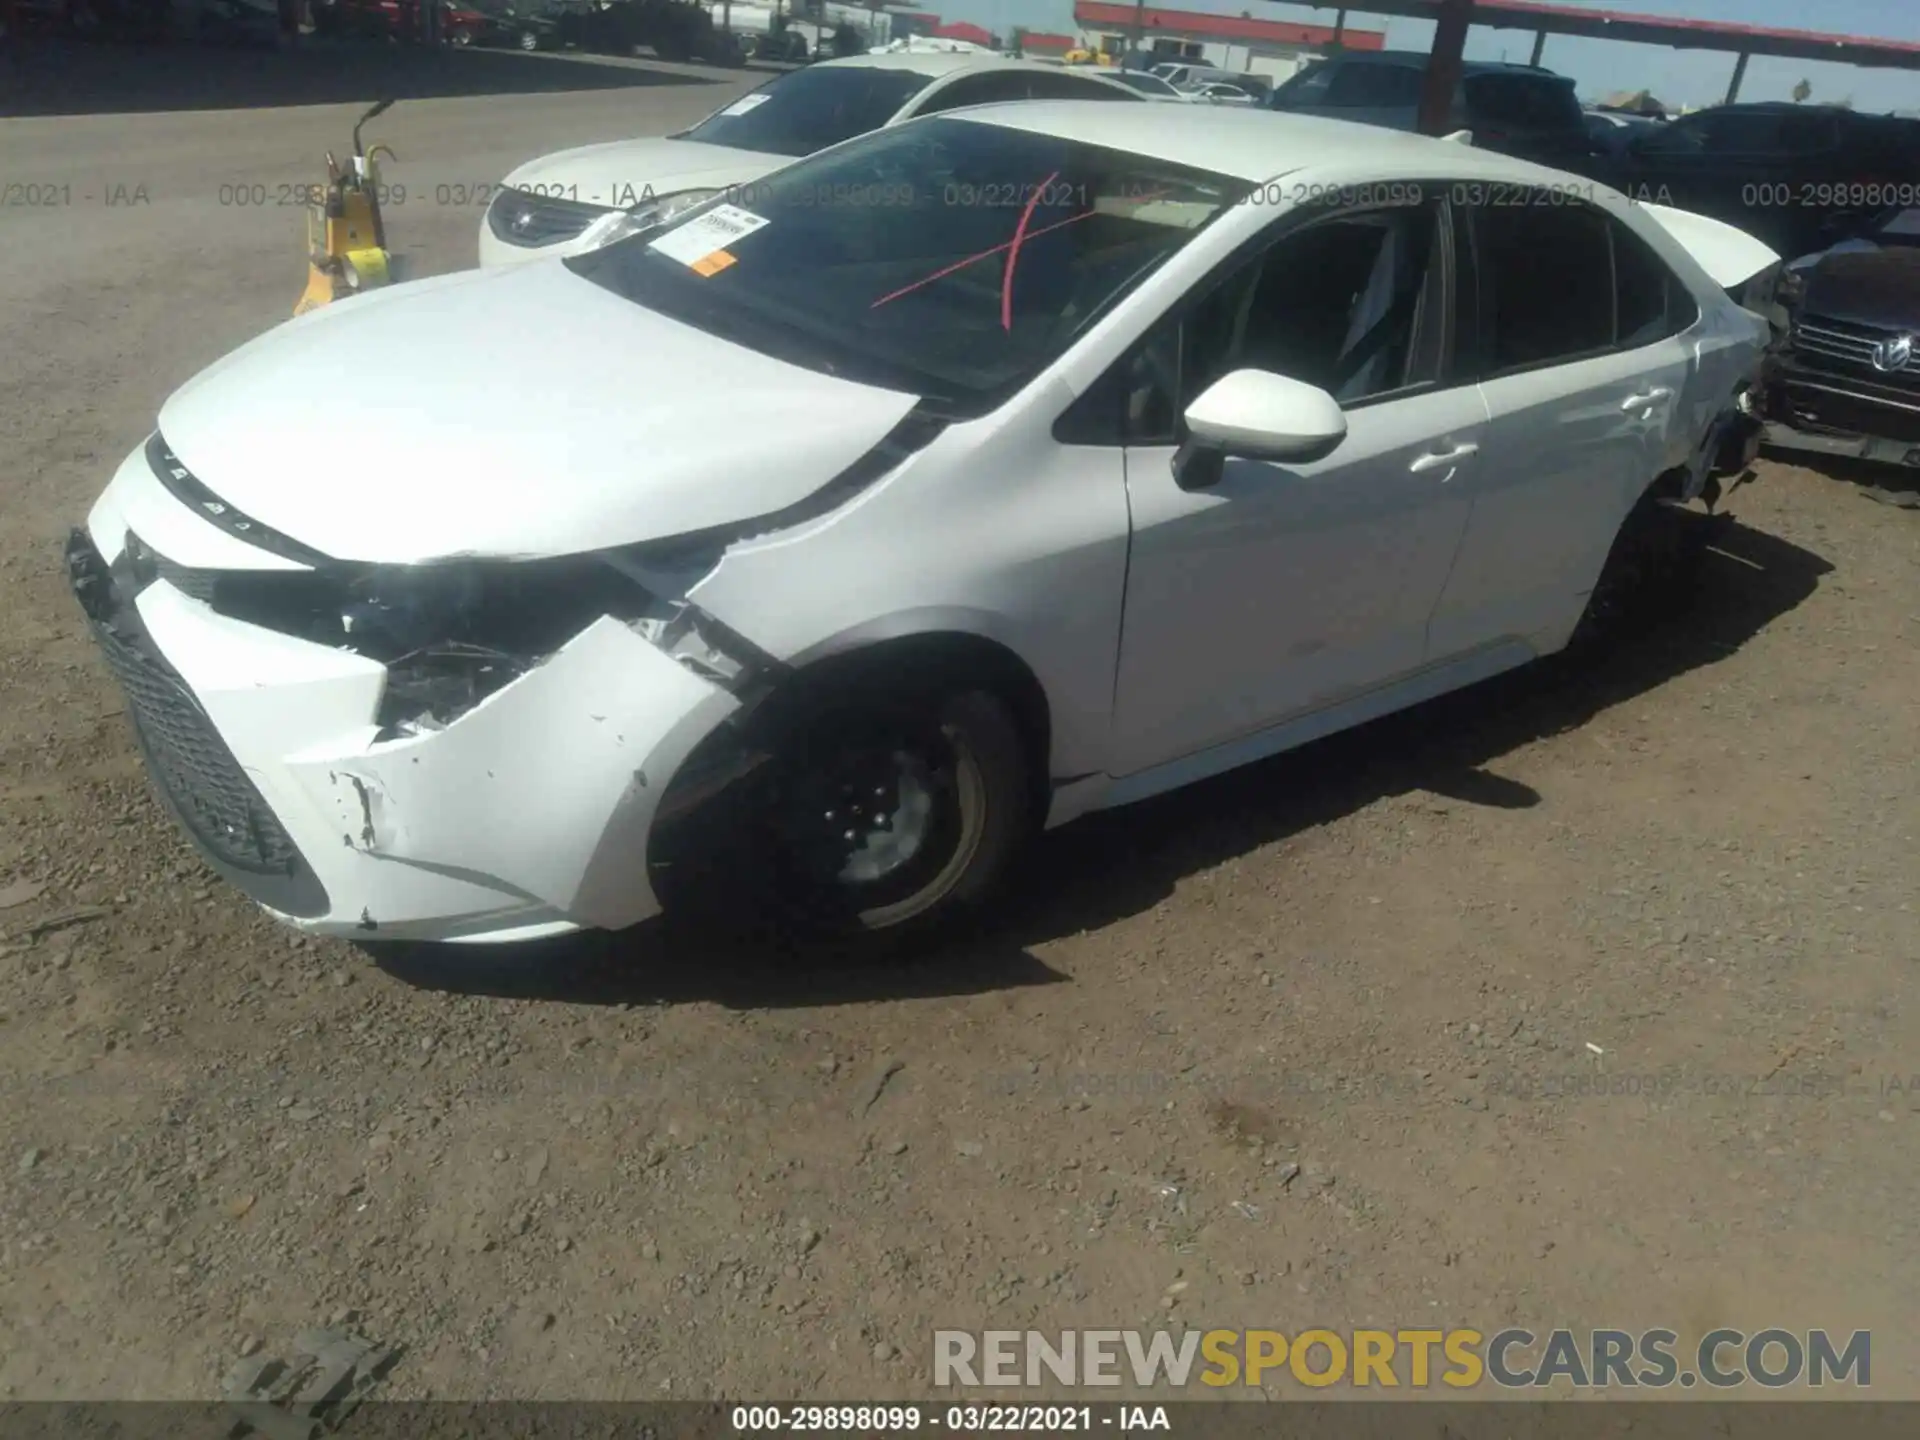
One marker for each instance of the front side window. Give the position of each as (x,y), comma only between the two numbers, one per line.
(950,258)
(1308,87)
(808,110)
(1721,132)
(1144,83)
(1351,304)
(1376,86)
(1525,102)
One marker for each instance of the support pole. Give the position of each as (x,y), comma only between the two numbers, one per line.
(1539,46)
(1739,74)
(1443,65)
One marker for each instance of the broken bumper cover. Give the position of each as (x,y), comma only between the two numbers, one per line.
(529,815)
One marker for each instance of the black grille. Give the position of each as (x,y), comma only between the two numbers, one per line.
(215,799)
(520,218)
(198,584)
(198,775)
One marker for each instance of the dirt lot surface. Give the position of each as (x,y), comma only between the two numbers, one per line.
(1577,1000)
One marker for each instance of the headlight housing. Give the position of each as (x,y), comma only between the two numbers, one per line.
(648,215)
(453,633)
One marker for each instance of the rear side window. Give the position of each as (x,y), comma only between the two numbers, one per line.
(1650,301)
(1072,87)
(977,90)
(1309,87)
(808,110)
(1375,86)
(1545,273)
(1523,101)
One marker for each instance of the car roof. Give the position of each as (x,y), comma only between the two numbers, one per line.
(1254,144)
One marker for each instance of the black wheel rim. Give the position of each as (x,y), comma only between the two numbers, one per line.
(872,822)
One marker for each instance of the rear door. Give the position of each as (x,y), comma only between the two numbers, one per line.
(1583,368)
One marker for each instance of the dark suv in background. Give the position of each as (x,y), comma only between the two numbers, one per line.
(1520,110)
(1848,382)
(1796,176)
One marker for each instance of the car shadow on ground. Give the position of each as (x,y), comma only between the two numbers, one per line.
(48,77)
(1895,485)
(1121,863)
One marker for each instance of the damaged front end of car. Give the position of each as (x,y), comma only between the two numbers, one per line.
(467,749)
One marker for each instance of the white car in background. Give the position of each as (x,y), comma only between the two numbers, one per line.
(578,200)
(822,553)
(1150,86)
(1217,93)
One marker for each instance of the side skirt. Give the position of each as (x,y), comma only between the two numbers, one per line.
(1100,792)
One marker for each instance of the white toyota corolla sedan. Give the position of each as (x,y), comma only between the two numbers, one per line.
(831,548)
(578,200)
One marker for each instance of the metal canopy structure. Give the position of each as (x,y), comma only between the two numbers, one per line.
(1741,41)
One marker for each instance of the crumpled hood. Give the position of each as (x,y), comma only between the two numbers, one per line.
(514,412)
(621,173)
(1878,287)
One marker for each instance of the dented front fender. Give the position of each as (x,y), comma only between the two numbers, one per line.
(547,789)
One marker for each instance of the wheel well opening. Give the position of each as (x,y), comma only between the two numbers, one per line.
(713,792)
(916,665)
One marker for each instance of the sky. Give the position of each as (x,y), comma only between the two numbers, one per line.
(1679,77)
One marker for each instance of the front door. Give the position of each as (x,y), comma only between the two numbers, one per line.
(1283,587)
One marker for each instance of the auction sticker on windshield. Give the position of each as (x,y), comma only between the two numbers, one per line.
(746,103)
(701,243)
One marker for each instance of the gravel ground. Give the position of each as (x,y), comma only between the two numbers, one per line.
(1350,1037)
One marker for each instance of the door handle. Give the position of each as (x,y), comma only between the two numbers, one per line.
(1434,459)
(1646,398)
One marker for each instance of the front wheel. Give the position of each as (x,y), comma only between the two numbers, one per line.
(529,41)
(877,824)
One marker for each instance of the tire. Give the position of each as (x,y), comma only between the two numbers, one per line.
(529,41)
(1649,573)
(463,38)
(876,821)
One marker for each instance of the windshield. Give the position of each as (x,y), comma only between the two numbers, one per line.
(808,110)
(1148,84)
(949,258)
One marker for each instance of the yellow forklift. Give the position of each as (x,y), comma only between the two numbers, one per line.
(346,238)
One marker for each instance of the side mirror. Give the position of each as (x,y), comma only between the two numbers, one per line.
(1256,415)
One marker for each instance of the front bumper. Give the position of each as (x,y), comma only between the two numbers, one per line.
(1838,409)
(530,814)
